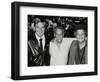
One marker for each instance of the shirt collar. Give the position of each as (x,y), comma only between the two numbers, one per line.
(38,38)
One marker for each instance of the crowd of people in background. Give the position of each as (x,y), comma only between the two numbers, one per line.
(55,40)
(68,24)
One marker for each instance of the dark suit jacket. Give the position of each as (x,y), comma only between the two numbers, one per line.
(74,55)
(35,58)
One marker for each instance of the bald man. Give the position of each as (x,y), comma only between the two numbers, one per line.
(38,45)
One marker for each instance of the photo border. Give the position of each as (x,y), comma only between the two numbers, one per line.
(15,40)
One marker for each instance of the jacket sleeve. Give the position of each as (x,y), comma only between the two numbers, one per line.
(71,56)
(33,54)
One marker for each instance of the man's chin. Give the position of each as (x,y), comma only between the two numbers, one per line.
(59,41)
(40,35)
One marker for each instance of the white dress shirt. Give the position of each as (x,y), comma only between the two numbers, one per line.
(43,40)
(59,55)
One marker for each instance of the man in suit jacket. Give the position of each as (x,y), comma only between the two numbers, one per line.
(78,49)
(38,45)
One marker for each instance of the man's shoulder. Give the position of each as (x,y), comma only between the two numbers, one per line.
(74,42)
(52,42)
(33,40)
(69,40)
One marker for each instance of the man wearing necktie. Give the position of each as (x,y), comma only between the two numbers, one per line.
(41,50)
(38,52)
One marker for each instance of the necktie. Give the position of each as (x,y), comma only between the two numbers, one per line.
(41,52)
(41,45)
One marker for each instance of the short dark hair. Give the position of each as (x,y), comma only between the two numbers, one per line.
(39,22)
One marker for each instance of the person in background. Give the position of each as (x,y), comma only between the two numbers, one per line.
(78,49)
(59,47)
(38,54)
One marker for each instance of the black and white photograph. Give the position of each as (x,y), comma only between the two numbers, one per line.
(53,40)
(57,40)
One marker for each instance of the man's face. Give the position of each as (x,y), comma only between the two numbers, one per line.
(40,29)
(80,35)
(59,35)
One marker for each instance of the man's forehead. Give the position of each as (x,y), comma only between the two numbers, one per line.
(59,31)
(80,31)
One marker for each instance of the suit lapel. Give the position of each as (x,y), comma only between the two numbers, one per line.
(81,57)
(77,53)
(36,42)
